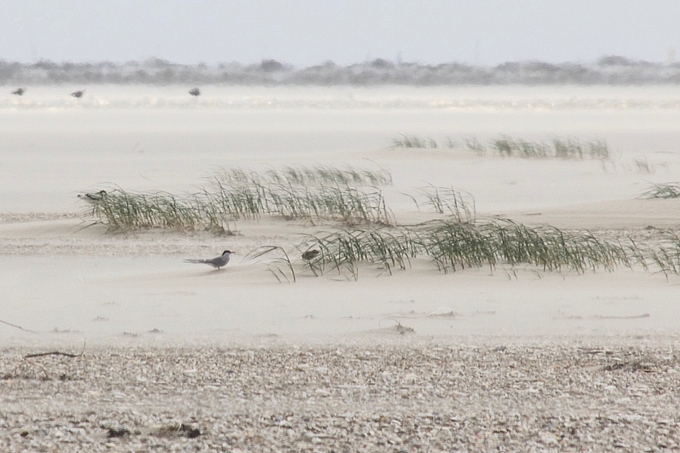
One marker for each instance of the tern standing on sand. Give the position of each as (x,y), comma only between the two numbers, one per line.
(217,263)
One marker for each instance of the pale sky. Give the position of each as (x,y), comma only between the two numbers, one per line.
(308,32)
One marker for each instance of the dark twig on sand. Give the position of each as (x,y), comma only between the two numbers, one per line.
(41,354)
(27,363)
(18,327)
(65,354)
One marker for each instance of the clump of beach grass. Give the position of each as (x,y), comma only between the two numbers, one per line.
(458,204)
(556,147)
(507,146)
(473,144)
(349,194)
(350,205)
(643,166)
(321,193)
(281,266)
(554,249)
(665,257)
(663,190)
(413,141)
(344,250)
(453,245)
(122,210)
(369,236)
(304,176)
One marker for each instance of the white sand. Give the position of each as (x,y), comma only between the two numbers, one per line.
(482,358)
(98,286)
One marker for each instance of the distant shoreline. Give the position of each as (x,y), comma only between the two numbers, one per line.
(609,70)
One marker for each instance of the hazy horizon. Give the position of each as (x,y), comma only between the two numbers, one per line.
(397,61)
(308,32)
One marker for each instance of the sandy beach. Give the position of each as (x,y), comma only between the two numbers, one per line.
(531,396)
(179,357)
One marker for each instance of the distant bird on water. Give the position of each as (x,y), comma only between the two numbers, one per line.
(95,196)
(217,263)
(19,91)
(195,91)
(310,255)
(78,94)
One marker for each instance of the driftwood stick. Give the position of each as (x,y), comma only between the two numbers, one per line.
(65,354)
(41,354)
(18,327)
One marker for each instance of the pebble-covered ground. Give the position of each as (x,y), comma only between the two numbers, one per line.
(533,397)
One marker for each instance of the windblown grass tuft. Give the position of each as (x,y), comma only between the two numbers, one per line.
(666,256)
(453,245)
(413,141)
(368,235)
(281,267)
(554,249)
(559,148)
(344,250)
(304,176)
(506,146)
(321,193)
(459,205)
(123,210)
(665,190)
